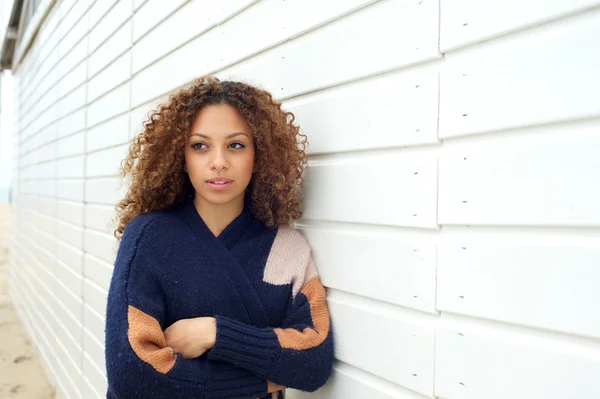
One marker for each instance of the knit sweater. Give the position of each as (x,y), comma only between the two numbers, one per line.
(260,284)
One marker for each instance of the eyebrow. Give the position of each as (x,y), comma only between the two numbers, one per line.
(230,136)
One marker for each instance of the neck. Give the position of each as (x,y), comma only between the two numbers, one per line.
(217,217)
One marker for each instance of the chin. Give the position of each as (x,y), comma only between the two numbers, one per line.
(219,199)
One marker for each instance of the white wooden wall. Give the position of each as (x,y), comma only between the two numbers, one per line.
(451,197)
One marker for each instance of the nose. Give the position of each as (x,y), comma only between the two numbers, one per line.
(219,161)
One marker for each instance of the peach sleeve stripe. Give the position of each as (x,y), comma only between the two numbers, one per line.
(290,338)
(148,340)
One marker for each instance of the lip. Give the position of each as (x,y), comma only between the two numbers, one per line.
(219,183)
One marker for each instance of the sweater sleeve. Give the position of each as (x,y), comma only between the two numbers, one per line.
(139,363)
(299,353)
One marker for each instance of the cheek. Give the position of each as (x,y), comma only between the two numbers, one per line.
(190,164)
(185,162)
(250,164)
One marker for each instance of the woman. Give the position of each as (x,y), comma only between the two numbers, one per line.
(213,295)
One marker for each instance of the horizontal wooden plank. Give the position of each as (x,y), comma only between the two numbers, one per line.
(467,21)
(67,298)
(43,78)
(115,45)
(483,363)
(71,281)
(47,152)
(393,266)
(191,20)
(111,104)
(48,36)
(94,296)
(94,370)
(88,389)
(68,104)
(516,179)
(72,102)
(396,188)
(346,50)
(71,212)
(139,115)
(98,271)
(107,134)
(72,167)
(152,13)
(47,243)
(69,233)
(99,10)
(240,37)
(488,87)
(70,256)
(69,327)
(100,245)
(540,278)
(68,61)
(71,190)
(405,113)
(94,349)
(94,323)
(46,224)
(28,188)
(44,266)
(74,122)
(138,3)
(47,188)
(106,162)
(100,218)
(45,99)
(349,382)
(116,73)
(105,191)
(113,19)
(385,343)
(75,35)
(68,373)
(73,79)
(42,171)
(46,206)
(72,145)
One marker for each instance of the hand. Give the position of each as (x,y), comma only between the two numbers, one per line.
(272,387)
(192,337)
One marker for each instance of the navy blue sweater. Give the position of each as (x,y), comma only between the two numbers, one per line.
(260,284)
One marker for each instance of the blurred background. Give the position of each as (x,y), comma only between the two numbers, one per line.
(451,198)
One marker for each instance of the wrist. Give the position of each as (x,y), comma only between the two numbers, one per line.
(212,337)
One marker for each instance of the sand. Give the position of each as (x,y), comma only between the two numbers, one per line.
(21,372)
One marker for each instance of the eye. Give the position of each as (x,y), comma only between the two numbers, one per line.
(198,146)
(237,145)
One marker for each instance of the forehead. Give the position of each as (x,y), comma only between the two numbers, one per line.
(219,120)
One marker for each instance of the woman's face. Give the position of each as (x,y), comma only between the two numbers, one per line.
(219,156)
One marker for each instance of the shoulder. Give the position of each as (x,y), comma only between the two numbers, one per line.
(290,239)
(153,226)
(290,260)
(149,238)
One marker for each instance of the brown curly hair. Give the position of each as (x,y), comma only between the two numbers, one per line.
(155,162)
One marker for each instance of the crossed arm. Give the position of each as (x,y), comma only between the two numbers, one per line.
(241,361)
(191,338)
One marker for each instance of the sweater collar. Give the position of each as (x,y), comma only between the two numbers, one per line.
(232,233)
(221,249)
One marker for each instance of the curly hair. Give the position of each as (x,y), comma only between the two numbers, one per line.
(154,165)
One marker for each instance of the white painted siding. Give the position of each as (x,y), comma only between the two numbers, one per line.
(450,200)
